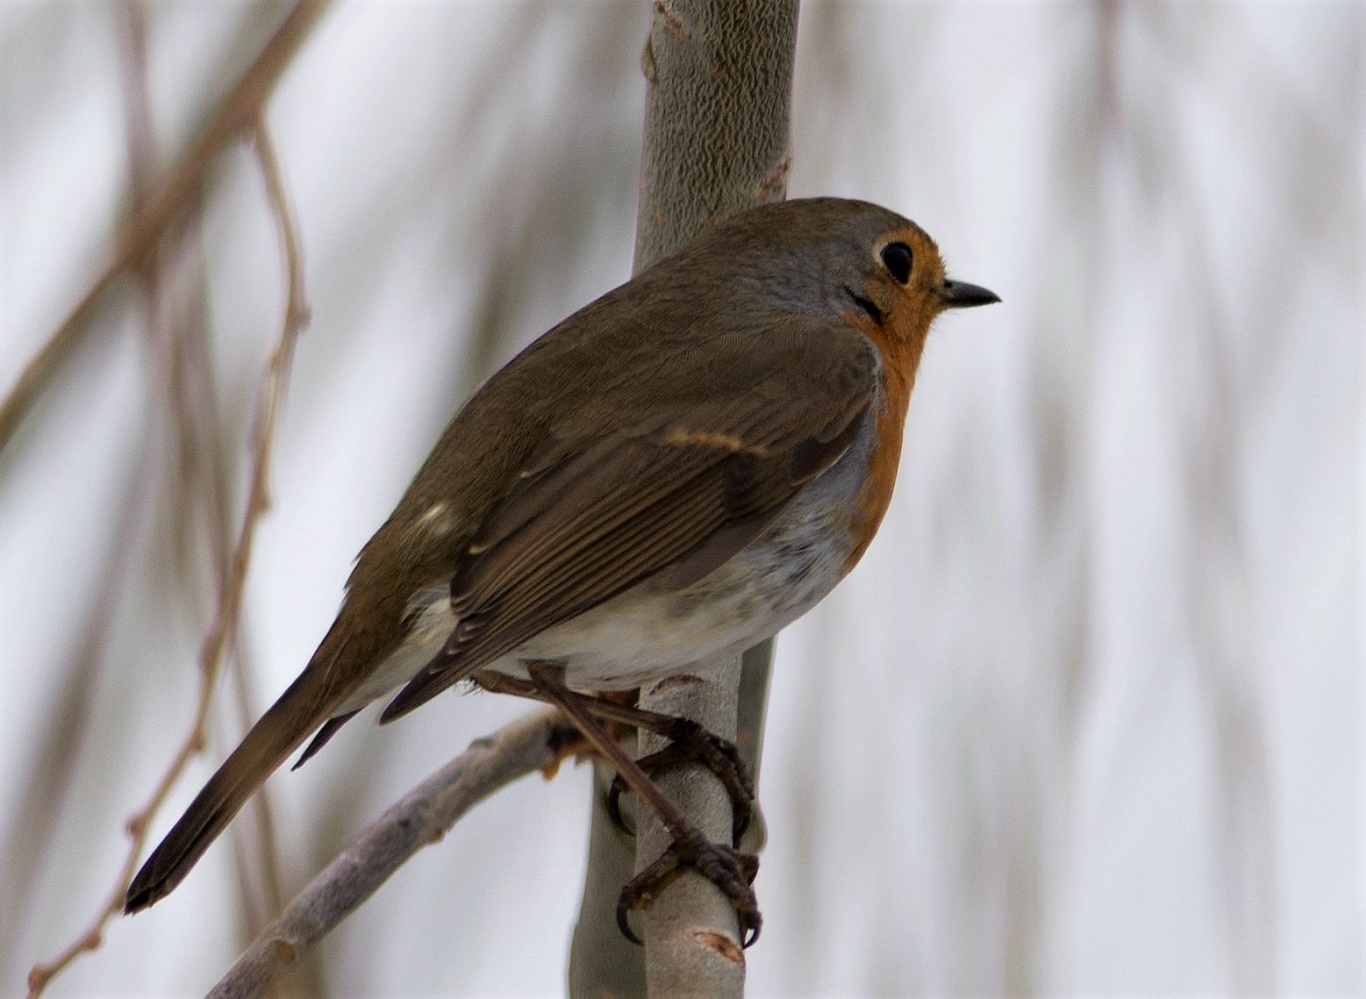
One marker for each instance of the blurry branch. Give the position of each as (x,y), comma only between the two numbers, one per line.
(224,626)
(239,111)
(1220,603)
(258,495)
(256,856)
(536,741)
(258,498)
(33,821)
(175,284)
(48,784)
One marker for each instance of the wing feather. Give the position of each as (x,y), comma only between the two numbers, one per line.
(683,491)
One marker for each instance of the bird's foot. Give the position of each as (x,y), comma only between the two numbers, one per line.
(729,869)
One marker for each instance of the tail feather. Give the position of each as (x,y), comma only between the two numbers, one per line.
(300,709)
(324,736)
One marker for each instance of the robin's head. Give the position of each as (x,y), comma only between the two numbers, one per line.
(834,257)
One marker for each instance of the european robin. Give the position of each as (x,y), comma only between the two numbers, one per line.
(673,473)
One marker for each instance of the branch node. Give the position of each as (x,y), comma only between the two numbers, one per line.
(285,952)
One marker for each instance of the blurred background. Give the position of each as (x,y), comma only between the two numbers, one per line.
(1087,719)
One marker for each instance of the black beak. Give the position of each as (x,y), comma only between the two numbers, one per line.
(961,295)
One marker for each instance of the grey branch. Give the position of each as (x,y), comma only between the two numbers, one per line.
(422,816)
(716,142)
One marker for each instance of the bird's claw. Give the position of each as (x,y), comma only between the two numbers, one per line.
(729,869)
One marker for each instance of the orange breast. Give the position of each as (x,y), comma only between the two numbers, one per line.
(900,358)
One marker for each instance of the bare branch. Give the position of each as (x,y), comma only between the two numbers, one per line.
(716,142)
(424,815)
(240,110)
(692,937)
(223,629)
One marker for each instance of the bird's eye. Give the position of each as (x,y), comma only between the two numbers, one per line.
(896,257)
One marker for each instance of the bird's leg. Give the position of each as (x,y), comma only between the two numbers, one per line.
(730,870)
(501,683)
(689,742)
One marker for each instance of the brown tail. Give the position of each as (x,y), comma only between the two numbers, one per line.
(300,709)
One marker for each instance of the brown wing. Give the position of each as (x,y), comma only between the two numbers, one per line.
(683,491)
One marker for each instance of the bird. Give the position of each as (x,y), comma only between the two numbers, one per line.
(675,472)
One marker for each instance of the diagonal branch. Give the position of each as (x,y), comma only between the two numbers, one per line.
(424,815)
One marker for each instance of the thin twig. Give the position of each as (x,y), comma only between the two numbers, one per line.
(224,626)
(267,414)
(240,110)
(424,815)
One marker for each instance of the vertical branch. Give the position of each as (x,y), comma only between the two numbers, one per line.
(716,142)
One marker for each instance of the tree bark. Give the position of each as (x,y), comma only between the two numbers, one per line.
(716,142)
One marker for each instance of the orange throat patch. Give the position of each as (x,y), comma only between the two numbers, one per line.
(900,358)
